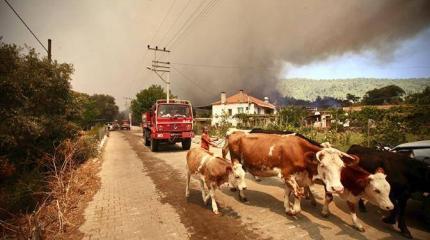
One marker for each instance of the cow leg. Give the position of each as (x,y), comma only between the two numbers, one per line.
(187,186)
(354,217)
(242,196)
(310,195)
(296,207)
(401,220)
(361,205)
(202,188)
(212,196)
(294,186)
(327,200)
(287,201)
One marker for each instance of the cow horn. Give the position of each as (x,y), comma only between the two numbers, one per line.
(318,156)
(326,145)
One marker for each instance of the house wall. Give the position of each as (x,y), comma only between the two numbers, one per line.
(219,110)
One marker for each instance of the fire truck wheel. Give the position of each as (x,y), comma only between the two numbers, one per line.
(147,141)
(154,145)
(186,144)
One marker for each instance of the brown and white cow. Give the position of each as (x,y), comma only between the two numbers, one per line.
(212,172)
(358,184)
(289,157)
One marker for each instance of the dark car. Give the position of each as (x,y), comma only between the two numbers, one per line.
(125,124)
(419,150)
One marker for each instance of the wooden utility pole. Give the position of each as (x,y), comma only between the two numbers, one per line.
(161,68)
(128,106)
(49,50)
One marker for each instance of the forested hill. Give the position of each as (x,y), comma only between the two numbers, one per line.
(309,89)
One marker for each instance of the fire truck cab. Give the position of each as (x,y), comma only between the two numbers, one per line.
(168,123)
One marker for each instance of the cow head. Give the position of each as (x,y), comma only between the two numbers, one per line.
(237,177)
(329,165)
(377,190)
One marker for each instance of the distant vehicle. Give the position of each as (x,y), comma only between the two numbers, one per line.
(168,123)
(125,124)
(419,150)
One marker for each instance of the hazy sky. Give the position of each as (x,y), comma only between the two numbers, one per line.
(244,43)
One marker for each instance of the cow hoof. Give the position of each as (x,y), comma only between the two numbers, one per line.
(389,220)
(361,228)
(291,213)
(258,179)
(233,189)
(216,212)
(325,215)
(406,234)
(362,209)
(243,199)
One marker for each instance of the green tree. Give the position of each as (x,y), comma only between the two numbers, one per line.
(293,116)
(352,98)
(106,107)
(422,98)
(391,94)
(145,99)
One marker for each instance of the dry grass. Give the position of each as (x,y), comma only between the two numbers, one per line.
(60,212)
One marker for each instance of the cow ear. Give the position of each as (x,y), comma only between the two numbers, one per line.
(350,159)
(311,157)
(380,170)
(228,169)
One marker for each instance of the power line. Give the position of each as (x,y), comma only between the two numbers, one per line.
(25,24)
(179,15)
(218,66)
(192,81)
(204,13)
(202,9)
(162,22)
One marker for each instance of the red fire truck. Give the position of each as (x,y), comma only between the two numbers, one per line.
(168,123)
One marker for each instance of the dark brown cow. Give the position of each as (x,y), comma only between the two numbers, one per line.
(289,157)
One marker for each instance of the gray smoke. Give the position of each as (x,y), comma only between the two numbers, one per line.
(249,40)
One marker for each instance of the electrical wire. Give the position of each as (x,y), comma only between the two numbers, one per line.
(204,13)
(25,24)
(200,7)
(173,23)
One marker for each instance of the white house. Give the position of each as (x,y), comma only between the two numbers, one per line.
(239,103)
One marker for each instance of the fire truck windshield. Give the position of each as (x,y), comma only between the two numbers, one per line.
(173,110)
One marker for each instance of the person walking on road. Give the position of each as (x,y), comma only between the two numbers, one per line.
(206,140)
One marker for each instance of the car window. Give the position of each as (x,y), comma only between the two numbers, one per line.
(422,154)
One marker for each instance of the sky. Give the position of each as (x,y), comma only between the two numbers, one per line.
(223,45)
(410,60)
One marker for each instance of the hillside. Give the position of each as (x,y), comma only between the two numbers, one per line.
(309,89)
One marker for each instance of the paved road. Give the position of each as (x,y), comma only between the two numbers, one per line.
(142,197)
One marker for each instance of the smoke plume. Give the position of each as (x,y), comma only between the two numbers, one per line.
(247,42)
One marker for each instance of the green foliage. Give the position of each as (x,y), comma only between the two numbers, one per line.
(390,94)
(292,116)
(145,99)
(352,98)
(309,89)
(36,105)
(422,98)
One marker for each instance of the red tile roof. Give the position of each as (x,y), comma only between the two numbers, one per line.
(242,97)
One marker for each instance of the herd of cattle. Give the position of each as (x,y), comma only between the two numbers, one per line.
(384,179)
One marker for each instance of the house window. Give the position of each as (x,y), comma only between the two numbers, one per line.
(230,112)
(240,109)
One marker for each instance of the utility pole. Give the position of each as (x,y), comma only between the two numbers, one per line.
(49,50)
(162,69)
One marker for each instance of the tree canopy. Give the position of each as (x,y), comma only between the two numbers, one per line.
(391,94)
(145,99)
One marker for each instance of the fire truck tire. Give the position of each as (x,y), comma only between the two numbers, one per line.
(154,145)
(186,144)
(147,141)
